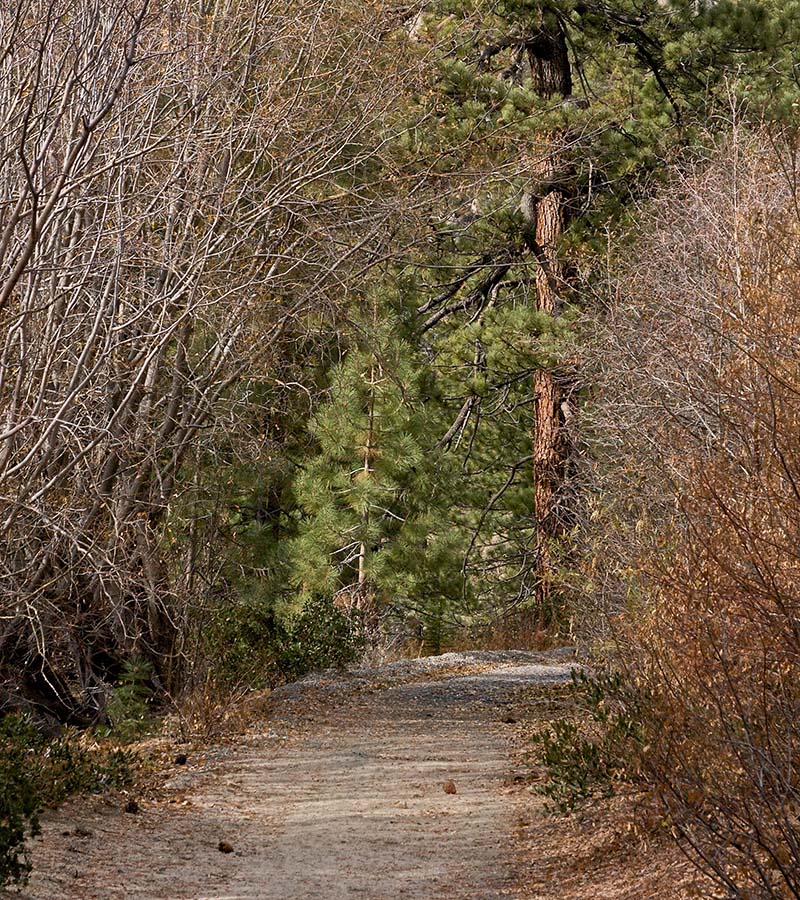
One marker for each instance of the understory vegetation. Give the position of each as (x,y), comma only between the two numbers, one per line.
(36,772)
(346,330)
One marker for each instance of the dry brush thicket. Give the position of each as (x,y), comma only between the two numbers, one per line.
(179,183)
(701,410)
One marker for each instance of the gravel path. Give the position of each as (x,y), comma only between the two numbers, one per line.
(341,796)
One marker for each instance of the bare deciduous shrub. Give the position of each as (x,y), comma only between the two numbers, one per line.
(702,391)
(173,181)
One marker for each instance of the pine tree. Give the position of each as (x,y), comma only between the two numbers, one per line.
(375,533)
(550,117)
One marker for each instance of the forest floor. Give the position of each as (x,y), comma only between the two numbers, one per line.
(407,781)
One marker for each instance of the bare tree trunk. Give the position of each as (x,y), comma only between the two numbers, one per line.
(365,600)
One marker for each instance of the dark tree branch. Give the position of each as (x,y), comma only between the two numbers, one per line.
(476,297)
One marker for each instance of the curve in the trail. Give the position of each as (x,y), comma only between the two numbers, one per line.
(351,805)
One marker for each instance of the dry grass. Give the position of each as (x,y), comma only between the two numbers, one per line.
(598,854)
(509,633)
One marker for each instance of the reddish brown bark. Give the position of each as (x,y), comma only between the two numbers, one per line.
(552,77)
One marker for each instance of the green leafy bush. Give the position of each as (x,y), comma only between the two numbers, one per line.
(20,799)
(250,637)
(37,771)
(261,649)
(599,747)
(322,636)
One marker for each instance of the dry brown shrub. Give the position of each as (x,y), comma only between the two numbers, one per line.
(703,531)
(210,711)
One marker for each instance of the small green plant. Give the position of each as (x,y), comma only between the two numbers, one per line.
(38,771)
(130,705)
(597,749)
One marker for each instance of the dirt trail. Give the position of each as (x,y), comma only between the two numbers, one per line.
(340,796)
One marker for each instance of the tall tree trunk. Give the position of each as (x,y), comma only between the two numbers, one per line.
(364,599)
(552,78)
(363,550)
